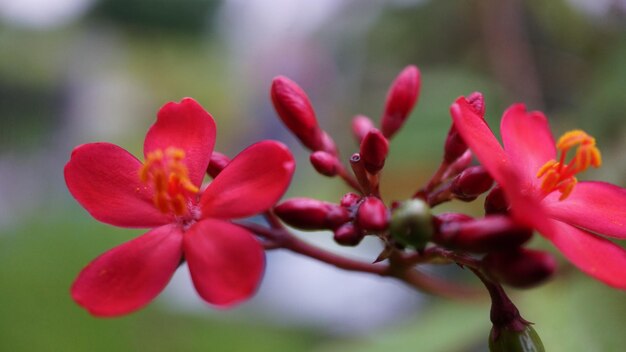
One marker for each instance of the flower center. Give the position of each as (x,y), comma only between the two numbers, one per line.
(557,175)
(168,174)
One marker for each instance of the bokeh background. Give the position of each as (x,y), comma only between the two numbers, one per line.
(76,71)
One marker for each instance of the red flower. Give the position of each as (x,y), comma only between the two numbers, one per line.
(226,261)
(543,191)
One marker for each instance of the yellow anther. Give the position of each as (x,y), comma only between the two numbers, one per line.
(573,138)
(559,176)
(567,188)
(547,166)
(169,176)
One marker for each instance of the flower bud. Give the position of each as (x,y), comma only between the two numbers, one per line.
(311,214)
(324,163)
(372,215)
(412,223)
(350,199)
(460,164)
(374,150)
(521,267)
(511,340)
(492,233)
(477,102)
(361,125)
(348,235)
(401,98)
(454,146)
(295,110)
(445,218)
(495,202)
(471,183)
(217,163)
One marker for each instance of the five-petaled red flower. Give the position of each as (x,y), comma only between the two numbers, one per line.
(164,193)
(543,192)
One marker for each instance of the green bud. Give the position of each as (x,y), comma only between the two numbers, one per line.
(411,223)
(508,340)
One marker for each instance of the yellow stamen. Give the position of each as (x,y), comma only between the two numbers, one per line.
(169,175)
(559,176)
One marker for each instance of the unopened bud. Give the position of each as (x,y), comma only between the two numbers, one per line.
(471,183)
(401,98)
(460,164)
(521,267)
(374,150)
(512,340)
(412,223)
(296,112)
(372,215)
(324,163)
(217,163)
(327,144)
(361,125)
(477,102)
(348,235)
(495,202)
(492,233)
(350,199)
(454,146)
(311,214)
(444,218)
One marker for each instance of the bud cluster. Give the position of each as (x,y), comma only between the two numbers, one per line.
(493,244)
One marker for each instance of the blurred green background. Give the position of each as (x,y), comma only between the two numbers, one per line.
(77,71)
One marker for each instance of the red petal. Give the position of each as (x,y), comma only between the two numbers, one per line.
(480,139)
(129,276)
(596,206)
(185,125)
(104,179)
(226,261)
(251,183)
(594,255)
(527,140)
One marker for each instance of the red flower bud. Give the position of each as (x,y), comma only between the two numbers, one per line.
(495,202)
(324,163)
(471,183)
(350,199)
(374,150)
(477,102)
(361,125)
(311,214)
(327,144)
(444,218)
(522,268)
(492,233)
(459,165)
(454,146)
(217,163)
(372,215)
(348,235)
(401,98)
(295,110)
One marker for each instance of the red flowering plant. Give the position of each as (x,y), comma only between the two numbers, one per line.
(189,222)
(543,192)
(534,191)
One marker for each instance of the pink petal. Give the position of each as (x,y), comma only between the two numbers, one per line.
(251,183)
(480,139)
(527,140)
(596,206)
(187,126)
(104,179)
(129,276)
(226,261)
(593,255)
